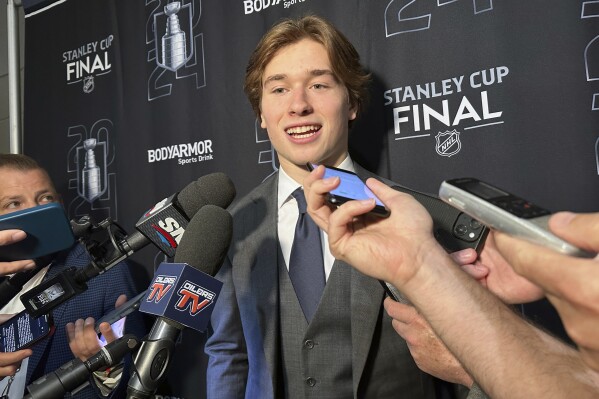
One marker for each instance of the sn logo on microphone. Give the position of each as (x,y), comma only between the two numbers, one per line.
(160,287)
(169,231)
(195,297)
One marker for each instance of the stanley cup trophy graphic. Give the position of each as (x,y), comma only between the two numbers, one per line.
(174,44)
(91,177)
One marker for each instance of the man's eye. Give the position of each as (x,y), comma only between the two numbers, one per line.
(278,90)
(47,198)
(13,205)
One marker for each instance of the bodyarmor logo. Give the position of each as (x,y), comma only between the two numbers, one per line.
(194,296)
(160,287)
(448,143)
(173,50)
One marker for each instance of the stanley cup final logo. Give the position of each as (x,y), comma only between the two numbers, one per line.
(175,47)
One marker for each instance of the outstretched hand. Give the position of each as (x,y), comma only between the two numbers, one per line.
(82,336)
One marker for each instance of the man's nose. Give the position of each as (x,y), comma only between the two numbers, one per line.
(300,104)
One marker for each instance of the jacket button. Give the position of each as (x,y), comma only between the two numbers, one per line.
(309,344)
(310,381)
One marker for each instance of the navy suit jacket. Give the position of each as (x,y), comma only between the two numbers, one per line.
(103,290)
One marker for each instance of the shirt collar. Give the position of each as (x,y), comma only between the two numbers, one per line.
(286,185)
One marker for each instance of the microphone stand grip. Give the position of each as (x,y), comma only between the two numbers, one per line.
(152,360)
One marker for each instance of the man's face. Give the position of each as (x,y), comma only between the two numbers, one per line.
(24,189)
(304,108)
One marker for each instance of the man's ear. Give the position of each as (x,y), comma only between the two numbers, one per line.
(262,122)
(353,112)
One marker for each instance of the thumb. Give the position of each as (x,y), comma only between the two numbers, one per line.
(120,300)
(581,230)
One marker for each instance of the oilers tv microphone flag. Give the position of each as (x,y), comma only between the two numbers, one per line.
(183,294)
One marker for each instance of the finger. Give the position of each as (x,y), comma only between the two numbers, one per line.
(581,230)
(10,358)
(91,342)
(6,317)
(107,332)
(401,312)
(477,270)
(10,370)
(315,190)
(120,300)
(10,236)
(464,257)
(543,266)
(70,327)
(16,266)
(340,221)
(381,190)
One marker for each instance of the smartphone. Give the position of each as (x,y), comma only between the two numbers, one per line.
(453,229)
(23,331)
(351,188)
(48,231)
(505,212)
(116,318)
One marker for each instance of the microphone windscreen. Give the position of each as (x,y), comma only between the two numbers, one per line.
(206,240)
(215,188)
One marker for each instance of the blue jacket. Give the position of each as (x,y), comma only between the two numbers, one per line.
(103,290)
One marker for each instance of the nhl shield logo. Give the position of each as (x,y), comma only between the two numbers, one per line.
(88,84)
(448,143)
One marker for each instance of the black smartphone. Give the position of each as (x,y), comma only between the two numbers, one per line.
(506,212)
(117,317)
(48,231)
(119,313)
(351,188)
(23,331)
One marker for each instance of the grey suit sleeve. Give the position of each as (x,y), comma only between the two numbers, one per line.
(228,362)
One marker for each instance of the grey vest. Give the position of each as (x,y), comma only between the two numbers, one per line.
(316,359)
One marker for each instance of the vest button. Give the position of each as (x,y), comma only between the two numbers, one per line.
(310,381)
(309,344)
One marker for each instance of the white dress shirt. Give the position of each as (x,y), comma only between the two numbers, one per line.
(288,214)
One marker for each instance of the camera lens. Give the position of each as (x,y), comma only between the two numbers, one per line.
(475,224)
(461,229)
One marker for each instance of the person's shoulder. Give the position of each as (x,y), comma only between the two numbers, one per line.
(266,188)
(365,174)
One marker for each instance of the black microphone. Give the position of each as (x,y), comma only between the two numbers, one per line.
(75,373)
(163,226)
(203,247)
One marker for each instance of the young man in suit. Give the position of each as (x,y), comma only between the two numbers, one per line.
(24,184)
(305,83)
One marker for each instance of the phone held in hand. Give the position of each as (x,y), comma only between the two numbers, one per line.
(48,231)
(117,317)
(351,188)
(505,212)
(23,331)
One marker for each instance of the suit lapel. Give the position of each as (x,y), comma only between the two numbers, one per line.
(255,270)
(366,301)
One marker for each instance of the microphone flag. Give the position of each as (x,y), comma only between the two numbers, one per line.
(183,294)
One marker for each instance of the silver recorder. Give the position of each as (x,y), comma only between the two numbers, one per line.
(505,212)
